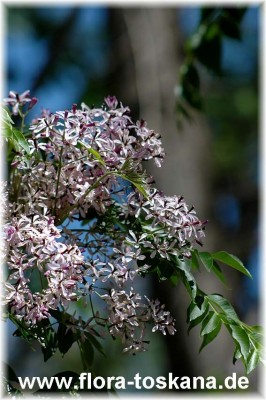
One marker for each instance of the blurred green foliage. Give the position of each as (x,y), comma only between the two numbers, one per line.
(205,47)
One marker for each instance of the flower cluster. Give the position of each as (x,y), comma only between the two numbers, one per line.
(128,314)
(32,248)
(86,165)
(86,152)
(180,225)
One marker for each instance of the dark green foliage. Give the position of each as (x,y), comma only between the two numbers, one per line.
(213,311)
(205,48)
(65,338)
(57,336)
(9,381)
(60,336)
(190,85)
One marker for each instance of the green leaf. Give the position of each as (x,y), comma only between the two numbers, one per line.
(94,152)
(16,139)
(48,339)
(47,353)
(9,373)
(232,261)
(194,311)
(210,323)
(230,27)
(190,76)
(253,360)
(242,339)
(208,50)
(237,354)
(218,272)
(95,343)
(197,321)
(210,264)
(187,277)
(22,330)
(20,138)
(135,182)
(206,259)
(256,335)
(208,338)
(42,332)
(195,260)
(6,118)
(87,353)
(165,269)
(137,179)
(257,328)
(65,337)
(225,306)
(174,279)
(190,85)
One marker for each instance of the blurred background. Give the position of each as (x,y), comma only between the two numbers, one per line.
(70,54)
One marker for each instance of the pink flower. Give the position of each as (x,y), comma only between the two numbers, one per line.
(16,100)
(111,102)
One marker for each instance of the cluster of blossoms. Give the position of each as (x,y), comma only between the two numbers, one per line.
(70,140)
(32,246)
(128,314)
(86,165)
